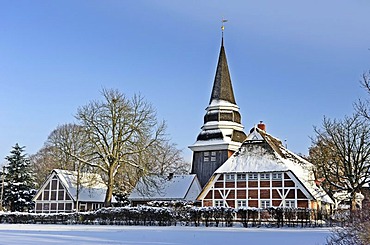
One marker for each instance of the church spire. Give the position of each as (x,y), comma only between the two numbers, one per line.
(222,132)
(222,87)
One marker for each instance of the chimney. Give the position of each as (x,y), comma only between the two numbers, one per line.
(261,126)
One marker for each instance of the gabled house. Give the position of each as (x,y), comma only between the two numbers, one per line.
(165,188)
(59,193)
(261,174)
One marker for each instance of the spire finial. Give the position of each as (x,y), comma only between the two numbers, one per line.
(222,29)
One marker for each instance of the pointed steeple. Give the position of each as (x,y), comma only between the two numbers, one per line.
(222,87)
(222,132)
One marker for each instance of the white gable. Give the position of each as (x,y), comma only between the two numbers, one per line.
(92,187)
(262,152)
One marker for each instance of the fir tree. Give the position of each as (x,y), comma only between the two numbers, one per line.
(19,181)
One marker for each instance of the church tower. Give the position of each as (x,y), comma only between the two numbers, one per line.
(222,132)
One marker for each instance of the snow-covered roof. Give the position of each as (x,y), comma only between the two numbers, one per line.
(177,187)
(222,104)
(92,187)
(261,152)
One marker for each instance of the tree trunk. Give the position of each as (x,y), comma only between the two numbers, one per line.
(78,191)
(353,202)
(109,193)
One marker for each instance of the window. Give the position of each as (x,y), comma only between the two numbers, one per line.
(61,206)
(242,203)
(206,156)
(46,207)
(265,203)
(38,206)
(54,184)
(53,206)
(253,176)
(209,156)
(265,176)
(230,177)
(290,203)
(96,206)
(53,195)
(61,194)
(213,156)
(83,207)
(46,195)
(68,206)
(276,176)
(241,176)
(219,203)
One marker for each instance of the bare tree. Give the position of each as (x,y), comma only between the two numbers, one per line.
(117,129)
(341,153)
(43,162)
(363,106)
(162,159)
(166,158)
(69,141)
(59,151)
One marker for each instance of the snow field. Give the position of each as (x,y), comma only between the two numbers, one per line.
(173,235)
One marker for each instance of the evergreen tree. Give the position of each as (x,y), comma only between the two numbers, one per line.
(19,181)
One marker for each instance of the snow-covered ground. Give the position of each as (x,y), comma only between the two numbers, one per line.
(174,235)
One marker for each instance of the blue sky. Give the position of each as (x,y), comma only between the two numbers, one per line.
(291,62)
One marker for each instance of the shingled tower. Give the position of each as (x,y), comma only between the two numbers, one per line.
(222,132)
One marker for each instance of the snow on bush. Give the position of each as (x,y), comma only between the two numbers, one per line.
(180,213)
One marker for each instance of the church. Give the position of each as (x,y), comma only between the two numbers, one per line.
(236,169)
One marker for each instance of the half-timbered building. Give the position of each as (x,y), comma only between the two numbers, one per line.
(64,190)
(261,174)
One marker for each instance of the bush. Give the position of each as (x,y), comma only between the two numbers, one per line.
(356,230)
(173,213)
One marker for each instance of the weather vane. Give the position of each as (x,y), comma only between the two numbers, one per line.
(223,27)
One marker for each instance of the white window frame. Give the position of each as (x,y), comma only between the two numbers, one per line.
(252,176)
(290,204)
(241,176)
(206,156)
(230,177)
(265,203)
(242,203)
(219,203)
(277,176)
(265,176)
